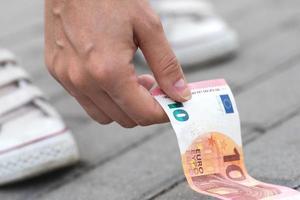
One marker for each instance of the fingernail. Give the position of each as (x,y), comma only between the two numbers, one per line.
(183,89)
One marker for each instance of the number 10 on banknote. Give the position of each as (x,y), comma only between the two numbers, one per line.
(209,137)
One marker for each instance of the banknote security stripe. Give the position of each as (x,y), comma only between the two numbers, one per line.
(209,137)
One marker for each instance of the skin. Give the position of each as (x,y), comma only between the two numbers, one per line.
(89,47)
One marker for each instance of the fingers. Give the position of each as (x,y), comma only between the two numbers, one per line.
(122,85)
(93,111)
(138,103)
(160,57)
(112,110)
(147,81)
(98,105)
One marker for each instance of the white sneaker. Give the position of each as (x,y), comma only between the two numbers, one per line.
(33,138)
(195,32)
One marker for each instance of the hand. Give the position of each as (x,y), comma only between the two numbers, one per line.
(89,47)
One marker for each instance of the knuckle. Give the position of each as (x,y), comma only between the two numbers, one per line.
(103,71)
(76,78)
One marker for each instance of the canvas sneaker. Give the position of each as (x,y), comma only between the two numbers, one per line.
(195,32)
(33,137)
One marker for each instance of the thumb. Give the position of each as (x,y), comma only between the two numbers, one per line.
(162,60)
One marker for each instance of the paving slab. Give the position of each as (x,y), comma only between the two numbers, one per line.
(250,107)
(129,176)
(93,134)
(27,43)
(35,32)
(139,171)
(275,155)
(235,9)
(253,29)
(75,112)
(96,141)
(97,145)
(19,14)
(251,63)
(269,55)
(113,158)
(272,99)
(277,79)
(182,191)
(273,158)
(24,35)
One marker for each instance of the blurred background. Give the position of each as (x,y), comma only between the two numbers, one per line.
(144,163)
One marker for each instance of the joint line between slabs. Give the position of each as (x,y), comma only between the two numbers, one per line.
(79,173)
(282,67)
(183,179)
(89,168)
(281,26)
(166,189)
(263,130)
(238,89)
(291,62)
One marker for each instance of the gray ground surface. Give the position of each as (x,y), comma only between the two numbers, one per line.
(144,163)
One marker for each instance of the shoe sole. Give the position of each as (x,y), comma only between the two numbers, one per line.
(37,157)
(218,47)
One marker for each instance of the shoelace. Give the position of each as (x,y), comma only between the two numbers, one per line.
(183,8)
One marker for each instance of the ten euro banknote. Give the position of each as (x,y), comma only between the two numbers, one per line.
(209,136)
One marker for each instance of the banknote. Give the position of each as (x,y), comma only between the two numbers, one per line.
(209,137)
